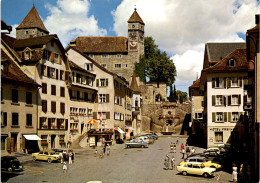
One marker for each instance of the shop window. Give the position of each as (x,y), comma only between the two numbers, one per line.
(219,136)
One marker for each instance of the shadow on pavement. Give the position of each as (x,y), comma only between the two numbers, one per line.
(5,176)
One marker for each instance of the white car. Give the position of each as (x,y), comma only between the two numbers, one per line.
(142,139)
(196,169)
(210,149)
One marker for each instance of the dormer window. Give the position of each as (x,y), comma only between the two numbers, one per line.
(231,62)
(27,54)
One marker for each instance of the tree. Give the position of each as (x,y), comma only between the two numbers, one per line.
(175,97)
(182,96)
(155,64)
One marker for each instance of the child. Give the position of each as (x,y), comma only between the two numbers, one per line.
(173,162)
(96,153)
(64,167)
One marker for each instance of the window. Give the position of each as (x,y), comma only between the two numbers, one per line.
(220,100)
(234,117)
(126,65)
(117,116)
(235,99)
(119,55)
(85,96)
(78,77)
(102,115)
(61,75)
(28,119)
(91,55)
(44,88)
(117,65)
(234,82)
(89,112)
(15,119)
(53,89)
(104,65)
(219,83)
(105,56)
(219,117)
(28,97)
(46,54)
(26,32)
(219,136)
(44,105)
(57,74)
(52,72)
(103,82)
(89,67)
(62,108)
(231,62)
(53,106)
(14,96)
(102,98)
(62,91)
(198,116)
(56,57)
(26,55)
(4,118)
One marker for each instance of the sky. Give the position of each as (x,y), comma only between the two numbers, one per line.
(181,28)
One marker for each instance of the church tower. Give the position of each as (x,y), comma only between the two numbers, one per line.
(136,34)
(31,26)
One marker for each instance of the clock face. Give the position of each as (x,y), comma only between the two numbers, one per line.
(133,26)
(132,35)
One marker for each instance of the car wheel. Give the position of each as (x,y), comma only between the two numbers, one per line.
(34,158)
(10,169)
(184,173)
(142,146)
(128,146)
(49,160)
(206,175)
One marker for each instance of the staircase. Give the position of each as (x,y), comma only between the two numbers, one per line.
(76,143)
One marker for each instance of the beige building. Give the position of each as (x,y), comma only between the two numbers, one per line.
(18,104)
(112,101)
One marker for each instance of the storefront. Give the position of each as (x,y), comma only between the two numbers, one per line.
(119,134)
(30,143)
(96,137)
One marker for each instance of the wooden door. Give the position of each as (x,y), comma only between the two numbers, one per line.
(12,144)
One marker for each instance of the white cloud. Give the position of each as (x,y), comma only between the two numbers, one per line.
(183,27)
(69,19)
(13,32)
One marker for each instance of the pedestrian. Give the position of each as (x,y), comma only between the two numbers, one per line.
(173,162)
(177,141)
(64,167)
(174,148)
(96,153)
(70,157)
(61,157)
(171,146)
(73,156)
(108,149)
(166,162)
(102,153)
(192,150)
(183,153)
(186,146)
(188,152)
(234,173)
(182,147)
(64,156)
(241,174)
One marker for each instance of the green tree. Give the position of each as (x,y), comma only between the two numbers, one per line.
(175,97)
(182,96)
(155,64)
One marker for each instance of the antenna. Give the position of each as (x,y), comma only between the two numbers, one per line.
(33,2)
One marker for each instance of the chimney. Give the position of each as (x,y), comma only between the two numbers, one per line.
(257,18)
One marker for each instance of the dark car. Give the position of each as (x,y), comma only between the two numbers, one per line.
(10,163)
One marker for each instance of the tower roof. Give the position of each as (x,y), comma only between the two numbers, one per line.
(32,20)
(135,18)
(134,85)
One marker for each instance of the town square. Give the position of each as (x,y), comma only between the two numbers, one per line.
(129,91)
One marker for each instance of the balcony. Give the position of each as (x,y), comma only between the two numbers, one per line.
(135,111)
(248,106)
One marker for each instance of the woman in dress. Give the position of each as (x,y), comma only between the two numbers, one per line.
(167,162)
(234,173)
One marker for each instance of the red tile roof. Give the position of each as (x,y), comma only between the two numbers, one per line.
(135,18)
(101,44)
(134,85)
(32,20)
(195,84)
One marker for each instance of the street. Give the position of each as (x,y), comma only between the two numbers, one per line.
(135,165)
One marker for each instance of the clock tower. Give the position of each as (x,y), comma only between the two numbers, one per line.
(136,34)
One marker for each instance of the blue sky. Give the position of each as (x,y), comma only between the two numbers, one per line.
(181,28)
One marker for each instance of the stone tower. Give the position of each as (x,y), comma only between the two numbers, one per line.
(31,26)
(136,34)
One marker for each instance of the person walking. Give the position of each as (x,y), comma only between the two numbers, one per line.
(174,148)
(65,167)
(177,141)
(234,173)
(182,147)
(96,153)
(241,174)
(64,156)
(173,162)
(171,147)
(108,149)
(61,157)
(192,150)
(183,153)
(166,162)
(188,152)
(70,158)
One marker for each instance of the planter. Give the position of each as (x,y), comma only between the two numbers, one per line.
(44,143)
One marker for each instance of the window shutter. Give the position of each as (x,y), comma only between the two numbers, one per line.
(44,105)
(5,118)
(67,75)
(59,59)
(239,99)
(213,82)
(8,144)
(240,81)
(107,98)
(241,116)
(53,107)
(107,115)
(245,99)
(213,100)
(52,57)
(213,117)
(229,82)
(48,71)
(57,74)
(42,70)
(97,81)
(225,82)
(106,82)
(94,115)
(96,98)
(66,123)
(62,107)
(225,100)
(225,116)
(229,100)
(196,115)
(229,116)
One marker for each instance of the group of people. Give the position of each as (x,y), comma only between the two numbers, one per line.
(186,149)
(103,151)
(169,162)
(238,175)
(64,157)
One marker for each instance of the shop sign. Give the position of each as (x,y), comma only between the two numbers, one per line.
(222,129)
(91,141)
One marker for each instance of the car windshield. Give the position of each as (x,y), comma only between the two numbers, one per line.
(52,153)
(14,159)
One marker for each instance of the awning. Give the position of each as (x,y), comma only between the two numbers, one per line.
(32,137)
(119,130)
(130,128)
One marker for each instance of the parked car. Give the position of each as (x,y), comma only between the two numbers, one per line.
(58,150)
(142,139)
(212,149)
(196,169)
(198,155)
(155,137)
(136,144)
(151,139)
(47,155)
(119,141)
(205,161)
(10,163)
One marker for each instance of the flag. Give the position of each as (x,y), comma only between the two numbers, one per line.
(100,118)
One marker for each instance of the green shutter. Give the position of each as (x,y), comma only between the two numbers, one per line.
(107,98)
(8,144)
(95,115)
(229,100)
(229,116)
(213,117)
(239,99)
(23,143)
(97,81)
(213,100)
(107,115)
